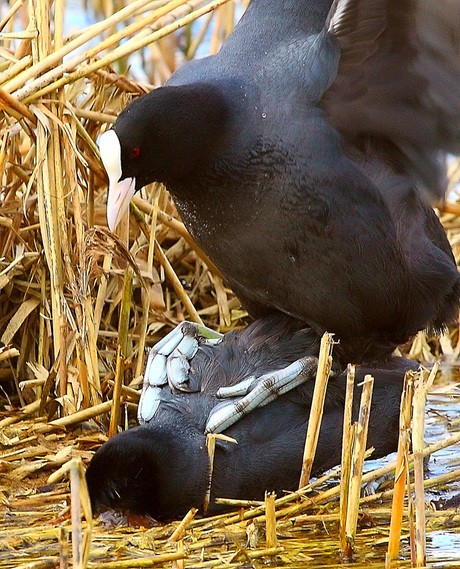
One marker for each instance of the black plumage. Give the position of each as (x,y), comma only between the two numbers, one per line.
(162,467)
(301,158)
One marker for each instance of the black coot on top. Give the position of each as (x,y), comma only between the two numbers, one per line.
(301,157)
(161,468)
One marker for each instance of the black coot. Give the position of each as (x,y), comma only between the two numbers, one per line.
(300,158)
(161,468)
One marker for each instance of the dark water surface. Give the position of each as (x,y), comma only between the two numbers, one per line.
(443,408)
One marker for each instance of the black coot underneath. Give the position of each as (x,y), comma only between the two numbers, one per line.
(162,467)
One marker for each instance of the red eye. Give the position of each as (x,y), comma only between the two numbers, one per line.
(135,152)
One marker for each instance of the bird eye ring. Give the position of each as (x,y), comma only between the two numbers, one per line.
(134,152)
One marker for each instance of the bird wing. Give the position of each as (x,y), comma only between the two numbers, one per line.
(399,80)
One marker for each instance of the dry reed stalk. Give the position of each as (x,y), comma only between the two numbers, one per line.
(63,548)
(211,448)
(145,297)
(32,383)
(18,320)
(317,404)
(35,89)
(172,277)
(77,540)
(222,301)
(37,73)
(116,397)
(453,174)
(79,502)
(269,552)
(422,385)
(211,439)
(10,103)
(126,391)
(229,18)
(347,445)
(7,353)
(259,511)
(199,37)
(50,198)
(238,503)
(450,476)
(357,465)
(214,41)
(15,69)
(401,470)
(75,418)
(176,226)
(412,526)
(25,412)
(11,12)
(169,271)
(87,318)
(122,351)
(270,520)
(179,532)
(143,562)
(42,564)
(101,293)
(179,563)
(378,514)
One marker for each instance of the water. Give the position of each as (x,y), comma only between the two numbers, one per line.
(443,407)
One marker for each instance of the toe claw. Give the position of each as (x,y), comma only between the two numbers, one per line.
(221,417)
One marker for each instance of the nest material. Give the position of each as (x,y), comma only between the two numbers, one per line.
(66,303)
(78,306)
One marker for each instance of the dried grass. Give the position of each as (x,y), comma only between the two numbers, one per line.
(66,304)
(36,516)
(78,306)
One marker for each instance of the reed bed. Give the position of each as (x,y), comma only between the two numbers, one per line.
(303,526)
(71,292)
(79,306)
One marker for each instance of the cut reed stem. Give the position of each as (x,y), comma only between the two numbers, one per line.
(347,446)
(317,404)
(357,464)
(402,468)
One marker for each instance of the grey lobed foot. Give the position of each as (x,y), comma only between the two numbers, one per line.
(168,364)
(258,392)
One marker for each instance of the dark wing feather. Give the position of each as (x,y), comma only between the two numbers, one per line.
(399,80)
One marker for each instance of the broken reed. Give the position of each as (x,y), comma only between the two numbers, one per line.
(299,509)
(424,382)
(347,447)
(61,286)
(317,405)
(402,468)
(350,486)
(60,278)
